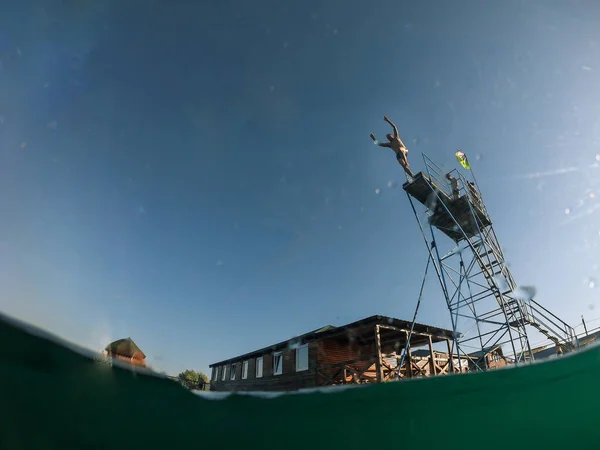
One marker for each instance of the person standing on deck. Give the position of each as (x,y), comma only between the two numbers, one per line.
(475,195)
(454,185)
(396,144)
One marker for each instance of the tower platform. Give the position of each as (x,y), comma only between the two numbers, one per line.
(445,211)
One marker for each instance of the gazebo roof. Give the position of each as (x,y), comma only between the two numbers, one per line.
(124,347)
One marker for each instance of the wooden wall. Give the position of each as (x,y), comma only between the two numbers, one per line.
(333,351)
(289,380)
(137,359)
(495,361)
(360,358)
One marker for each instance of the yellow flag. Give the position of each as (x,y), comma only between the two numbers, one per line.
(462,159)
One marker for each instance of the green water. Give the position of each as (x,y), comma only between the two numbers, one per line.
(54,398)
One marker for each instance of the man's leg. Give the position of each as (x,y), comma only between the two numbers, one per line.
(404,163)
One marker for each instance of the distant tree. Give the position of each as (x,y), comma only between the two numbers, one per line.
(192,379)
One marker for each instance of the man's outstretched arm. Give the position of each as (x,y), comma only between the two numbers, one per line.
(381,144)
(396,134)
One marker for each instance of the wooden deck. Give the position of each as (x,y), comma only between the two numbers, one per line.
(447,214)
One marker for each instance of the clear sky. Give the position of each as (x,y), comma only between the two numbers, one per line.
(201,178)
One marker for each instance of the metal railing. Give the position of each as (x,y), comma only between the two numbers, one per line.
(465,187)
(554,325)
(435,174)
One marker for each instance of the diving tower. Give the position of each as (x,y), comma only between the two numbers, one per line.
(487,308)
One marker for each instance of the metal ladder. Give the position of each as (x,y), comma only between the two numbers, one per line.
(521,311)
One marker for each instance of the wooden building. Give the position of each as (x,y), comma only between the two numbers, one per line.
(126,350)
(367,351)
(493,357)
(488,359)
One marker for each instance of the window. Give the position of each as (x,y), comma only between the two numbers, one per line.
(302,358)
(232,372)
(244,370)
(223,373)
(277,363)
(214,373)
(259,367)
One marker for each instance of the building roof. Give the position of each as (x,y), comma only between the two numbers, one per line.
(124,347)
(485,351)
(544,353)
(361,330)
(424,353)
(477,354)
(589,339)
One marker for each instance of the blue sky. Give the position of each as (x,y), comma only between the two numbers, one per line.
(201,178)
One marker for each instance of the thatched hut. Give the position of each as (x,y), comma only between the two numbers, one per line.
(126,350)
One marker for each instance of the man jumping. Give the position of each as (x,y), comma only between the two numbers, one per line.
(396,144)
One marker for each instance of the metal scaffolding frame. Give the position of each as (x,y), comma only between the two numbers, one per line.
(487,308)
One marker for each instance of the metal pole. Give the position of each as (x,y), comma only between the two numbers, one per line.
(584,326)
(448,299)
(412,326)
(466,277)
